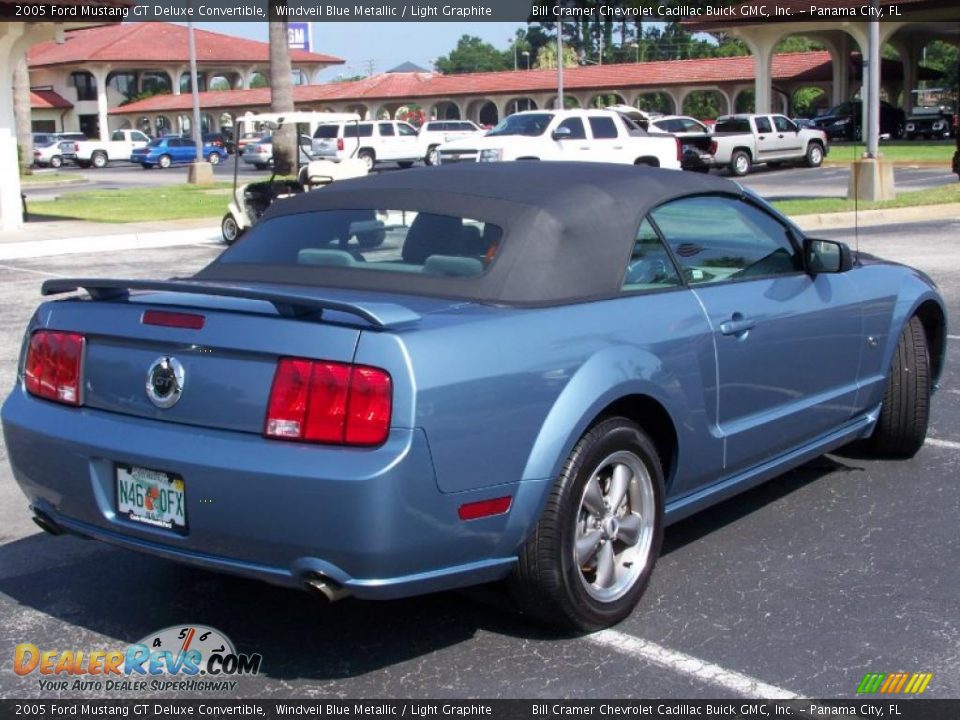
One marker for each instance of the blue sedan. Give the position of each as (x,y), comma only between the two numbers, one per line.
(173,149)
(538,368)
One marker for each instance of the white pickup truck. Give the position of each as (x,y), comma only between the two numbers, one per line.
(583,135)
(742,141)
(119,147)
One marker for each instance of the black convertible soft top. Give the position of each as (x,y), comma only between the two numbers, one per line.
(569,227)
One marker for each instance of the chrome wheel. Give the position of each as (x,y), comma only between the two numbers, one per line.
(433,155)
(615,526)
(214,159)
(741,164)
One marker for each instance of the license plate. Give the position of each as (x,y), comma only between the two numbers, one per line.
(151,497)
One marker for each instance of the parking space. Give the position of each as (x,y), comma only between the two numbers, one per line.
(842,567)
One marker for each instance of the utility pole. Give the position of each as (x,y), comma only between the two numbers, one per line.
(872,101)
(560,103)
(201,172)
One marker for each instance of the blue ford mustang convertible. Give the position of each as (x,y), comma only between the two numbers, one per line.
(472,373)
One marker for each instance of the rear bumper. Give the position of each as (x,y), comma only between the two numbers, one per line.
(374,521)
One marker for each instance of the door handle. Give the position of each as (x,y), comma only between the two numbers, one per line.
(584,147)
(780,136)
(761,137)
(737,325)
(618,147)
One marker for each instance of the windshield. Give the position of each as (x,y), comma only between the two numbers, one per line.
(156,142)
(528,124)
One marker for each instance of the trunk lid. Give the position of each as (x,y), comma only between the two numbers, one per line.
(228,364)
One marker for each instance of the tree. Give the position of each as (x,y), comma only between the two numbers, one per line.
(281,92)
(474,55)
(21,114)
(547,57)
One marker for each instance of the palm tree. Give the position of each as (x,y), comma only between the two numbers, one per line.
(21,112)
(281,92)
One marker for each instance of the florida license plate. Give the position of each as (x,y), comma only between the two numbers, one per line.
(151,497)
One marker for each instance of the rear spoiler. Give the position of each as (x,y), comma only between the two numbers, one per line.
(288,304)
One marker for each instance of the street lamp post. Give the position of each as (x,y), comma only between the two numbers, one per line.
(560,103)
(201,172)
(526,55)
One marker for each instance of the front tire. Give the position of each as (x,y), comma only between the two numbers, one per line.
(164,162)
(230,229)
(368,158)
(591,554)
(56,161)
(433,155)
(739,163)
(213,158)
(814,157)
(905,414)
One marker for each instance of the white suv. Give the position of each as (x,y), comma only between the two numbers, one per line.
(370,141)
(436,132)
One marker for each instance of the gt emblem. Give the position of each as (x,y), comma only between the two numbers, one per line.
(165,382)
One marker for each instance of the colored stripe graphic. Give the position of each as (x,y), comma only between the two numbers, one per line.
(894,683)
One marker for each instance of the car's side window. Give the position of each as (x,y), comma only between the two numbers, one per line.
(407,130)
(575,126)
(386,129)
(650,266)
(763,125)
(603,128)
(718,238)
(783,125)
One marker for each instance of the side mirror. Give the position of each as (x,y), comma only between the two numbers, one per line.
(561,133)
(826,256)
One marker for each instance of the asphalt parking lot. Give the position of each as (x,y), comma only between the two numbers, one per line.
(844,566)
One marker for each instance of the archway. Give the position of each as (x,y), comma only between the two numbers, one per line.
(659,102)
(570,102)
(85,84)
(483,112)
(603,100)
(808,101)
(745,101)
(163,125)
(705,104)
(445,110)
(155,82)
(519,104)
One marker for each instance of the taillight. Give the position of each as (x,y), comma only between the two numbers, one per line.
(679,149)
(713,147)
(76,147)
(339,143)
(329,402)
(53,366)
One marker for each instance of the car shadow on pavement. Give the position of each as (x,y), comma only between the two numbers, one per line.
(77,586)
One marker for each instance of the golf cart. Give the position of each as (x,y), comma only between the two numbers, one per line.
(249,201)
(932,115)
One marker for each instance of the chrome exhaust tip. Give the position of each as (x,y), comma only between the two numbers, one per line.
(46,524)
(328,589)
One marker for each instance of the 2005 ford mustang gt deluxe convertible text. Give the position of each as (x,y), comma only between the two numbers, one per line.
(450,376)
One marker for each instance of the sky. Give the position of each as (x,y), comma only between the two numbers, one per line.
(385,44)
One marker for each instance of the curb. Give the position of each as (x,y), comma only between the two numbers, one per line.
(925,164)
(918,213)
(53,184)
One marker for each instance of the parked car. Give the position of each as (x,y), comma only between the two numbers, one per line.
(248,138)
(372,142)
(844,122)
(577,135)
(742,141)
(435,133)
(711,346)
(68,145)
(98,154)
(46,152)
(695,140)
(930,121)
(260,154)
(221,139)
(173,150)
(43,139)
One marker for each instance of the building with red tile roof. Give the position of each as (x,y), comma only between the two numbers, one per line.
(98,69)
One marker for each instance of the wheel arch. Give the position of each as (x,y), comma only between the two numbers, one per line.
(934,321)
(648,160)
(600,390)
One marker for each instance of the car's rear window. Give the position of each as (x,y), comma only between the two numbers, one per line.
(402,241)
(328,132)
(733,125)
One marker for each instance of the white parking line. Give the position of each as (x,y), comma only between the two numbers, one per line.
(688,665)
(953,337)
(31,270)
(949,444)
(107,243)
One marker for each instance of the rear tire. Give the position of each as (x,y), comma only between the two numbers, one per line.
(56,161)
(739,163)
(368,158)
(213,158)
(905,413)
(99,159)
(578,569)
(433,156)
